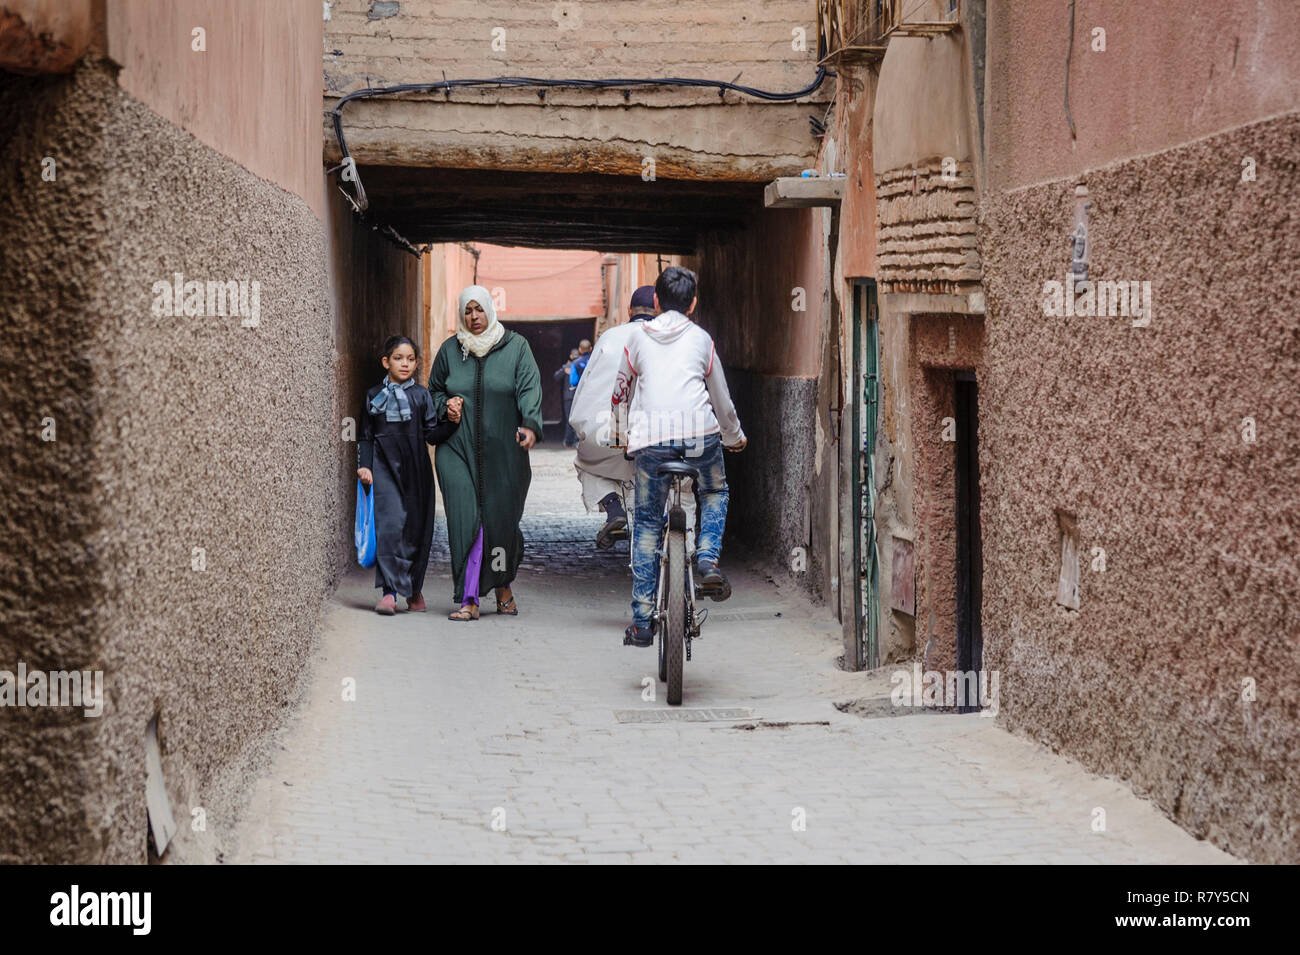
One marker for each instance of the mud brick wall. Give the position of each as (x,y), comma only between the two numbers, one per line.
(1138,434)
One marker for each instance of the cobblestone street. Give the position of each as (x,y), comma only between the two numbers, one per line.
(499,740)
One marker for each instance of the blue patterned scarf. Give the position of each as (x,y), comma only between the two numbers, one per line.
(392,401)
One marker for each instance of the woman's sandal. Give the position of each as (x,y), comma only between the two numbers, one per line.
(512,612)
(465,613)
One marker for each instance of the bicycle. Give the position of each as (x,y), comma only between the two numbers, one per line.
(674,619)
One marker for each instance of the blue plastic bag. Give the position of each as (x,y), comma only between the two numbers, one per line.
(364,531)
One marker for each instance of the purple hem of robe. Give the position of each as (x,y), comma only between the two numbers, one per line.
(472,566)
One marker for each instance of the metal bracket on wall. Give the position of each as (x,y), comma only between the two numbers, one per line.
(804,192)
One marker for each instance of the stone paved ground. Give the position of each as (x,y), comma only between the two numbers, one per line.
(511,721)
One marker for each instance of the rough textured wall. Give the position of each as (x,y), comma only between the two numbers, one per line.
(772,481)
(48,571)
(1138,433)
(173,433)
(418,41)
(1171,71)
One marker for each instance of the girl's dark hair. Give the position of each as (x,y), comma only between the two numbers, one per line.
(390,346)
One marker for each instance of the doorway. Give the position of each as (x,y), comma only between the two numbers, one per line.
(970,560)
(551,342)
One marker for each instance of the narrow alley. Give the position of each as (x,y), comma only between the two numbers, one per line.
(528,739)
(976,323)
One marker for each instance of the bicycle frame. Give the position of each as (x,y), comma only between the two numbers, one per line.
(629,508)
(694,619)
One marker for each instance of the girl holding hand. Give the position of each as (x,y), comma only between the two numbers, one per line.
(400,418)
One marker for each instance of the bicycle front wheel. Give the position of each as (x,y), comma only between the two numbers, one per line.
(675,615)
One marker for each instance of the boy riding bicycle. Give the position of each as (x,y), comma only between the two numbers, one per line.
(681,411)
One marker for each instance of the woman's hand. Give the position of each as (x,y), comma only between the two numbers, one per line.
(525,437)
(454,406)
(366,477)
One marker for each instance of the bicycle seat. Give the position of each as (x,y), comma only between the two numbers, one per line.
(679,467)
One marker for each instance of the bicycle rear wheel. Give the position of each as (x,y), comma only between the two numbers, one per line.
(675,615)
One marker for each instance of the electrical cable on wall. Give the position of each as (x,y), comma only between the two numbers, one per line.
(1069,53)
(361,204)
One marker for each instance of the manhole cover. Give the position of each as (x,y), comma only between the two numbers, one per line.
(681,714)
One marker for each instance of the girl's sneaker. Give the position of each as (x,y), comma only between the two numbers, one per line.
(387,605)
(416,604)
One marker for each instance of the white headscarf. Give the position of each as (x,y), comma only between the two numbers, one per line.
(483,343)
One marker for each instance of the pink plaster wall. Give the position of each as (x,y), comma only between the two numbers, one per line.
(253,94)
(1172,71)
(543,282)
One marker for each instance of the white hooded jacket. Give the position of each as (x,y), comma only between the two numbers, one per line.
(681,392)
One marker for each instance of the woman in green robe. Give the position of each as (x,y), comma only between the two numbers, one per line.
(483,468)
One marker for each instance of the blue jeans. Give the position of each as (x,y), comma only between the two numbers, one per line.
(651,495)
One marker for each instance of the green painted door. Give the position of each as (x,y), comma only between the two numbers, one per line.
(866,367)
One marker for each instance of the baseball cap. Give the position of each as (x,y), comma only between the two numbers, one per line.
(644,297)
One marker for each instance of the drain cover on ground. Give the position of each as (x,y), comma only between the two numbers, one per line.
(759,614)
(681,714)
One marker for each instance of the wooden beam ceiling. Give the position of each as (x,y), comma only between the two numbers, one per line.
(554,210)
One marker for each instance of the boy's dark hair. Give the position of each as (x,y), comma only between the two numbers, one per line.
(675,289)
(393,341)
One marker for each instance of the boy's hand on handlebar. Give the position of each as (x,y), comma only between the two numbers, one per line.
(366,477)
